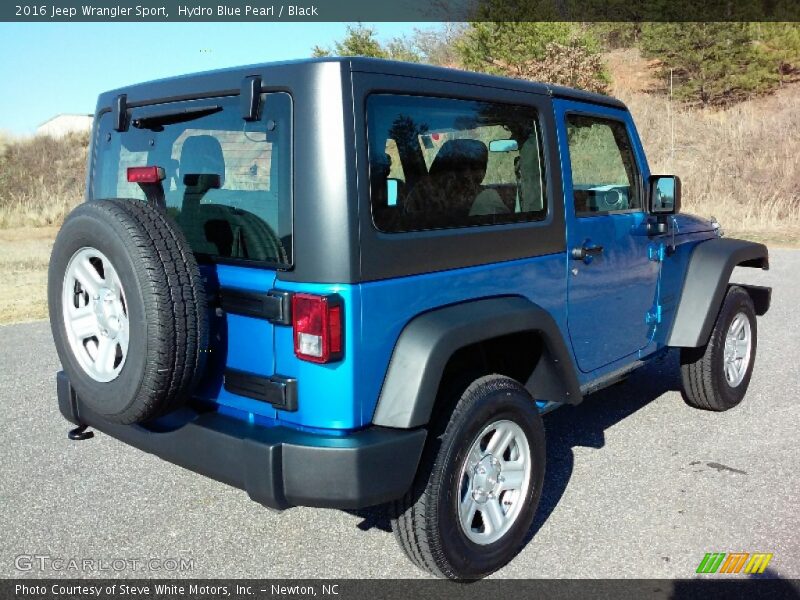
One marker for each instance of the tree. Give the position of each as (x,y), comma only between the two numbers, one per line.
(433,45)
(781,42)
(359,41)
(560,53)
(618,34)
(437,45)
(571,64)
(712,64)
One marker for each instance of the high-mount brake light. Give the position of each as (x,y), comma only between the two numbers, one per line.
(145,174)
(317,324)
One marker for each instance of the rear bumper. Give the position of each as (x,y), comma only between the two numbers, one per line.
(276,466)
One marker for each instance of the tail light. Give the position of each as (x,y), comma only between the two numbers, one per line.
(317,323)
(145,174)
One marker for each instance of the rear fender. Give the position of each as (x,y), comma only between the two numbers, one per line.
(428,341)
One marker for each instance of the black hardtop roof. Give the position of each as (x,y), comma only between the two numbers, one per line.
(394,67)
(229,80)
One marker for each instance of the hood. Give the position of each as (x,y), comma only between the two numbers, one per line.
(694,224)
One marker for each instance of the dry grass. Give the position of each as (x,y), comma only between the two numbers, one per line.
(741,165)
(41,179)
(24,255)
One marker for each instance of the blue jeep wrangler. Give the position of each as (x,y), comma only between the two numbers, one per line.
(353,282)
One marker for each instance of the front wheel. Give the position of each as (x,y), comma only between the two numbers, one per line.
(715,377)
(475,497)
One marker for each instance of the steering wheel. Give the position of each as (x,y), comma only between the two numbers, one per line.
(614,199)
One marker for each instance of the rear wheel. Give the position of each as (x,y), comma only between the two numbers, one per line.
(474,499)
(715,377)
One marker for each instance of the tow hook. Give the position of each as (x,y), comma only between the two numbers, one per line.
(80,433)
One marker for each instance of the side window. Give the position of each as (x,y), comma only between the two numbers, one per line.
(604,173)
(439,163)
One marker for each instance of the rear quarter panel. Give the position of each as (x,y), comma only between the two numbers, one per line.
(343,395)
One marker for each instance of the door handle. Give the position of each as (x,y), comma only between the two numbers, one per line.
(586,252)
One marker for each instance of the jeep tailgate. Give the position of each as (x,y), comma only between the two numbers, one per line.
(225,179)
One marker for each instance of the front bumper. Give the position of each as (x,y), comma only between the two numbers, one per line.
(277,466)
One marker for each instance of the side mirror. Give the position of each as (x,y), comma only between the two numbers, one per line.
(665,195)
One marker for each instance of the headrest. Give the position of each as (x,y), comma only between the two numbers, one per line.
(460,155)
(202,155)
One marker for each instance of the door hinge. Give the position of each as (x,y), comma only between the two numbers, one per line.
(654,315)
(656,252)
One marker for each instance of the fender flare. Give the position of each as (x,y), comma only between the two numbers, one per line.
(706,283)
(429,340)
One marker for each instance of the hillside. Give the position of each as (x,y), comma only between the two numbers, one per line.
(41,179)
(741,165)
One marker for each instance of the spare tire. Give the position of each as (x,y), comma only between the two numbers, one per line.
(128,309)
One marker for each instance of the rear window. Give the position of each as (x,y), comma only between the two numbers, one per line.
(227,181)
(438,163)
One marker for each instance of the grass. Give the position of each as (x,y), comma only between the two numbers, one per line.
(41,179)
(24,255)
(741,165)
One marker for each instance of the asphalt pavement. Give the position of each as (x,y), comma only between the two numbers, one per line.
(638,484)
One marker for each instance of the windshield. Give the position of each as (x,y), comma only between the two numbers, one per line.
(227,181)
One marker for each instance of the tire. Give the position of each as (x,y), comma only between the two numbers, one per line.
(145,350)
(706,382)
(426,522)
